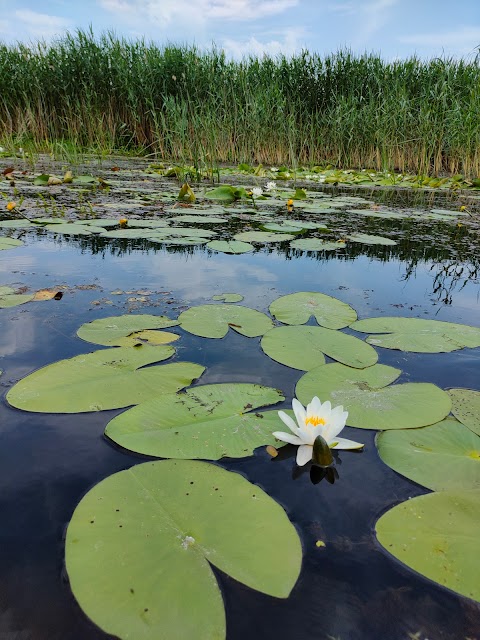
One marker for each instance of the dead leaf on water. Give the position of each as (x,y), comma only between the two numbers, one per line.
(48,294)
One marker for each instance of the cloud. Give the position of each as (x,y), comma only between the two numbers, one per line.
(288,44)
(165,11)
(370,16)
(37,25)
(463,39)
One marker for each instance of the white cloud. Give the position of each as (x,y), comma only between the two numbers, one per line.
(370,16)
(289,43)
(165,11)
(38,25)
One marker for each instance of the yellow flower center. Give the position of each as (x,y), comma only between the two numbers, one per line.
(314,421)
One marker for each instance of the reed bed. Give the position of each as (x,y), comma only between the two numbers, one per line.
(182,104)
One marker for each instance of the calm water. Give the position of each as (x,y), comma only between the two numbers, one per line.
(349,590)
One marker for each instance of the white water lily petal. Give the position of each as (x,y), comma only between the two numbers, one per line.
(287,437)
(289,422)
(343,443)
(334,426)
(304,454)
(299,411)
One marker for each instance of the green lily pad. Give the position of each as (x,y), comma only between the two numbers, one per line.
(303,348)
(441,457)
(69,229)
(105,223)
(466,407)
(209,422)
(148,224)
(262,236)
(105,379)
(187,242)
(315,244)
(133,234)
(228,297)
(418,335)
(369,404)
(52,220)
(107,331)
(366,239)
(450,213)
(297,308)
(437,535)
(213,320)
(284,227)
(139,547)
(200,219)
(230,246)
(308,225)
(8,297)
(9,243)
(16,224)
(190,231)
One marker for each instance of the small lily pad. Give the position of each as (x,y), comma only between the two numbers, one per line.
(214,320)
(370,403)
(315,244)
(297,308)
(71,229)
(441,457)
(230,246)
(262,236)
(140,543)
(228,297)
(437,535)
(466,407)
(303,347)
(367,239)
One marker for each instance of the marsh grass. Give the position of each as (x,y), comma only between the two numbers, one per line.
(90,94)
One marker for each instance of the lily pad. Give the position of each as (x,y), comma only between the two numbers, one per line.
(107,331)
(230,246)
(284,227)
(214,320)
(441,457)
(303,348)
(437,535)
(190,231)
(297,308)
(369,404)
(16,224)
(186,242)
(315,244)
(139,547)
(228,297)
(8,297)
(366,239)
(105,223)
(70,229)
(466,407)
(262,236)
(209,422)
(9,243)
(105,379)
(200,219)
(134,234)
(418,335)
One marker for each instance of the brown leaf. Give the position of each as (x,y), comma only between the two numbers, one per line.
(8,170)
(48,294)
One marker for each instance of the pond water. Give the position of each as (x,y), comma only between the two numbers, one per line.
(349,589)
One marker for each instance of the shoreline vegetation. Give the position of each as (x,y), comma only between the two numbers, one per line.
(85,93)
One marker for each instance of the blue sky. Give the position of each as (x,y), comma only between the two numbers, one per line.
(394,28)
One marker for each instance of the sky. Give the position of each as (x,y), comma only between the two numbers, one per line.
(393,28)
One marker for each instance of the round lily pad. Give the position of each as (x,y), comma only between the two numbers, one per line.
(69,229)
(21,223)
(262,236)
(9,243)
(368,239)
(297,308)
(214,320)
(316,244)
(441,457)
(8,297)
(230,246)
(437,536)
(108,331)
(104,379)
(418,335)
(139,547)
(200,219)
(185,242)
(209,422)
(284,227)
(466,407)
(228,297)
(370,403)
(303,347)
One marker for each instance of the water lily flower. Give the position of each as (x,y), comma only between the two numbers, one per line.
(316,420)
(11,206)
(256,192)
(270,186)
(123,222)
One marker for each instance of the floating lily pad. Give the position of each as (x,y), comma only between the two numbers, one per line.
(450,213)
(49,221)
(107,331)
(147,224)
(134,234)
(200,219)
(209,422)
(9,243)
(228,297)
(369,404)
(69,229)
(315,244)
(466,407)
(441,457)
(297,308)
(230,246)
(105,379)
(308,225)
(418,335)
(262,236)
(16,224)
(139,547)
(213,320)
(186,242)
(8,297)
(190,231)
(303,348)
(437,535)
(284,227)
(366,239)
(105,223)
